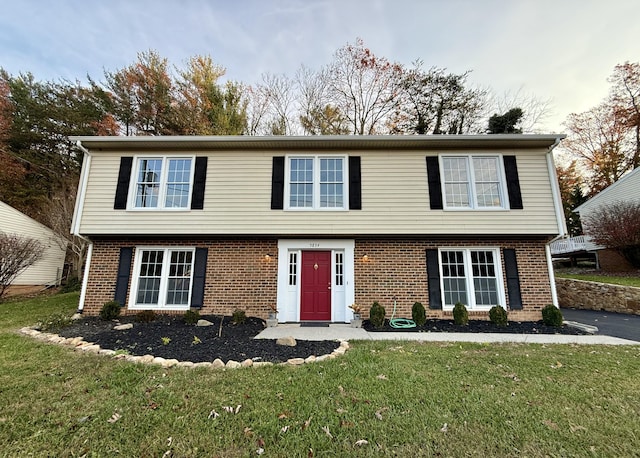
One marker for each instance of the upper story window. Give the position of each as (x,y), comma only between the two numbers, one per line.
(473,182)
(163,182)
(315,182)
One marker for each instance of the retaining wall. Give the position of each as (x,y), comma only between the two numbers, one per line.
(588,295)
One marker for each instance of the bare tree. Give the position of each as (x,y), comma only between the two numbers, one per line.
(534,109)
(16,255)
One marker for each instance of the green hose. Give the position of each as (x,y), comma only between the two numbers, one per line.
(400,323)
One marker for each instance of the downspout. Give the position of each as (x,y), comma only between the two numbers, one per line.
(562,225)
(77,216)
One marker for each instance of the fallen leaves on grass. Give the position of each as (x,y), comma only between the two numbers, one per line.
(550,424)
(361,442)
(327,432)
(115,417)
(444,428)
(382,377)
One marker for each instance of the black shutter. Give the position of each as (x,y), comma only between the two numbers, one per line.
(199,277)
(433,177)
(199,180)
(122,188)
(355,185)
(513,182)
(513,280)
(124,269)
(433,280)
(277,183)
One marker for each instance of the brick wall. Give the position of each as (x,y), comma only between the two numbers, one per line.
(238,276)
(397,268)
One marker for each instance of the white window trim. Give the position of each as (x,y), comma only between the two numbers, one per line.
(131,205)
(473,198)
(162,296)
(471,306)
(316,182)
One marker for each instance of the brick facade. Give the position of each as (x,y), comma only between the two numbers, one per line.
(238,275)
(397,268)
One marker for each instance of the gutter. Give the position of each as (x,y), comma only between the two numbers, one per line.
(562,224)
(77,216)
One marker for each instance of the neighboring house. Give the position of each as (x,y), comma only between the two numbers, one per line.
(315,224)
(626,189)
(47,270)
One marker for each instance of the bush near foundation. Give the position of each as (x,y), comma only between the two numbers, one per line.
(498,316)
(552,316)
(376,315)
(110,310)
(418,314)
(460,314)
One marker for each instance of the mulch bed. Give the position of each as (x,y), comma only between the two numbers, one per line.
(171,338)
(479,326)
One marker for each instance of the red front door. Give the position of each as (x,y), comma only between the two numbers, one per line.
(315,297)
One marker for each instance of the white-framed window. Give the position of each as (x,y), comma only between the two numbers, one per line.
(471,276)
(162,183)
(163,278)
(473,182)
(316,183)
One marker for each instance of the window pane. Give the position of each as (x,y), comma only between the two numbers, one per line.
(485,283)
(179,279)
(301,183)
(456,181)
(149,277)
(453,274)
(331,185)
(178,183)
(148,183)
(487,181)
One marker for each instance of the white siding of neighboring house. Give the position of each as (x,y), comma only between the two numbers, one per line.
(395,200)
(625,189)
(48,269)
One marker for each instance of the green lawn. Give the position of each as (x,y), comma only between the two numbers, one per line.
(624,281)
(403,399)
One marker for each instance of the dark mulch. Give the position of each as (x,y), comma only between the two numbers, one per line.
(479,326)
(235,342)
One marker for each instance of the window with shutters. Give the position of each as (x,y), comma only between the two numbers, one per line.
(162,183)
(472,277)
(473,182)
(316,183)
(162,278)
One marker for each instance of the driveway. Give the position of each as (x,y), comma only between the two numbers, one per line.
(609,324)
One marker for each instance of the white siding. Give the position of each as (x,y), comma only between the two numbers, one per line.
(395,200)
(49,267)
(625,189)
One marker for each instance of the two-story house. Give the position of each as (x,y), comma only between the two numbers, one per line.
(314,224)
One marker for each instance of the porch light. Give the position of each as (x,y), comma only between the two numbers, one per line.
(267,257)
(365,258)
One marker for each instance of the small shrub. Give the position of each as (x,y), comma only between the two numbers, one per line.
(418,314)
(196,340)
(191,316)
(54,322)
(239,316)
(376,315)
(165,340)
(110,310)
(72,284)
(460,314)
(552,316)
(498,316)
(146,316)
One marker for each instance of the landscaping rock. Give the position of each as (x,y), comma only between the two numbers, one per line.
(231,364)
(217,363)
(287,341)
(247,363)
(123,327)
(203,323)
(295,361)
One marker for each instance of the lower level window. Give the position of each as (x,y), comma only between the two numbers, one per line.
(471,277)
(163,278)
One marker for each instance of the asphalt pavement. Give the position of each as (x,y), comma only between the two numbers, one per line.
(619,325)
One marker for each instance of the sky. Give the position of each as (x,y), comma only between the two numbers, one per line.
(560,51)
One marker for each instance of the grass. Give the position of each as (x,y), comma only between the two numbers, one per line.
(624,281)
(402,398)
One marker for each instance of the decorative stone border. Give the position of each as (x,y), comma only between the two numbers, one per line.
(78,344)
